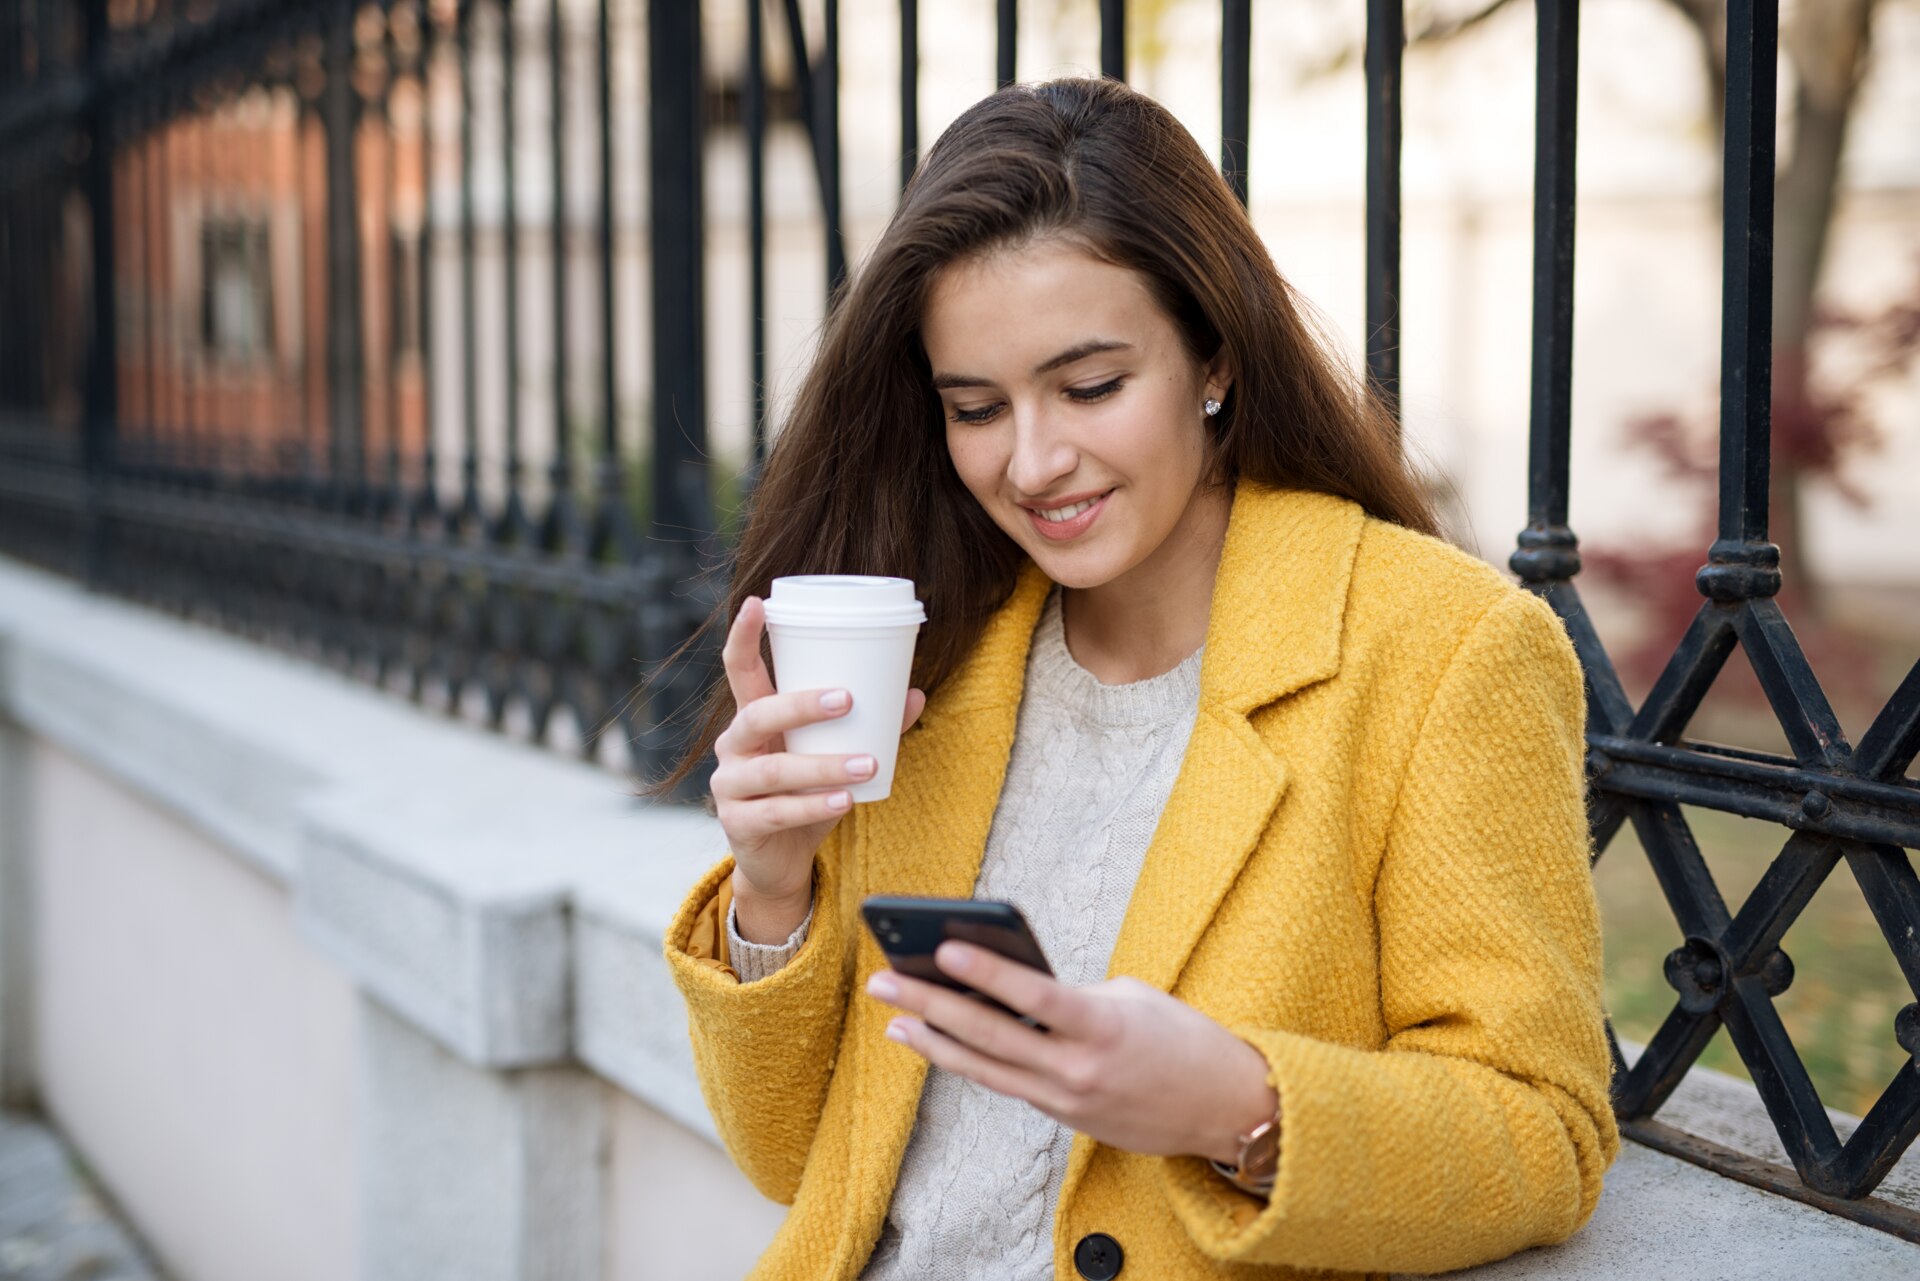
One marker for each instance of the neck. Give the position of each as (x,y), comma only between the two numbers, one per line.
(1151,618)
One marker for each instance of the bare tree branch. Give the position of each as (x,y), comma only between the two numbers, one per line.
(1432,29)
(1438,30)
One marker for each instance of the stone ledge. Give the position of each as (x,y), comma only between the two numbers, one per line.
(93,686)
(434,863)
(1661,1217)
(630,1024)
(1726,1110)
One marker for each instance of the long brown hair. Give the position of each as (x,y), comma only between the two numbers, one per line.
(859,481)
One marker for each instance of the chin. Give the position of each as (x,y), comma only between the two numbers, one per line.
(1077,573)
(1076,567)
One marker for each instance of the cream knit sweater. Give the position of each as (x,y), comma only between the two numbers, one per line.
(1091,768)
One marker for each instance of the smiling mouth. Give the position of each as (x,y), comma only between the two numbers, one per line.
(1070,511)
(1060,523)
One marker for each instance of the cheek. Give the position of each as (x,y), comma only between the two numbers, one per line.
(1185,437)
(1160,441)
(973,462)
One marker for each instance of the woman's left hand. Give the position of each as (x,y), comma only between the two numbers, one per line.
(1122,1062)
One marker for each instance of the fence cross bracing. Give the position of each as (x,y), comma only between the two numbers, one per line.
(307,321)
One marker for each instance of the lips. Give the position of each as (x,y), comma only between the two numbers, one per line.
(1072,527)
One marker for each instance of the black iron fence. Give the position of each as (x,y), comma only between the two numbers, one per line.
(275,452)
(259,425)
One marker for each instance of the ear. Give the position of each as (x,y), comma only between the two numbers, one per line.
(1219,375)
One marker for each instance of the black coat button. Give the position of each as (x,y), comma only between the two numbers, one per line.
(1098,1257)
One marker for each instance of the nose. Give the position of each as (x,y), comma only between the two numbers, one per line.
(1041,454)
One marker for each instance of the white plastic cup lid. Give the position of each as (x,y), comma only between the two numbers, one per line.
(843,600)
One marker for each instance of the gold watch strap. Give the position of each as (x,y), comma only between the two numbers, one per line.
(1259,1187)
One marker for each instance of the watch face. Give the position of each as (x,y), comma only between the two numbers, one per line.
(1262,1154)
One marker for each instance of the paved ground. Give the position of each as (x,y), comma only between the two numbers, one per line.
(53,1225)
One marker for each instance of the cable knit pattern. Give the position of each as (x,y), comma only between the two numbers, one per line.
(755,961)
(1090,771)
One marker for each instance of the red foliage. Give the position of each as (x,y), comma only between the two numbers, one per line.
(1819,425)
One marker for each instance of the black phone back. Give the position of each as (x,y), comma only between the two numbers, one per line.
(909,929)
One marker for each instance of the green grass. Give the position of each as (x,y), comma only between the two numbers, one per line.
(1846,988)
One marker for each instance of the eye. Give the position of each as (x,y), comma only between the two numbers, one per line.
(979,415)
(1087,395)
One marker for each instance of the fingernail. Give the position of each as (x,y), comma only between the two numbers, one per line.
(834,699)
(861,766)
(882,988)
(896,1033)
(953,958)
(839,801)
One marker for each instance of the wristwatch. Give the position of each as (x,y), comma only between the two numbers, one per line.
(1259,1159)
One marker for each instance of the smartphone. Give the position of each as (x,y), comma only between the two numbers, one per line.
(909,929)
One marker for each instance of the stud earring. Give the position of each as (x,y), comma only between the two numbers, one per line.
(1212,407)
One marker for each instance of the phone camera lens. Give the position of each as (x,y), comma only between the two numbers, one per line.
(892,937)
(886,924)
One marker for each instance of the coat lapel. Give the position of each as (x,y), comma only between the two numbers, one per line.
(928,837)
(1279,599)
(1228,788)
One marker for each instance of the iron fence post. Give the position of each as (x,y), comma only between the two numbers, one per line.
(340,112)
(682,508)
(101,402)
(682,517)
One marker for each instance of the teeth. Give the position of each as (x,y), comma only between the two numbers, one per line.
(1068,513)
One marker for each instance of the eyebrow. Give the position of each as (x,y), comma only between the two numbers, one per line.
(1079,351)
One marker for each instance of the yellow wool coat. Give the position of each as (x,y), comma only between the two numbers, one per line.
(1372,867)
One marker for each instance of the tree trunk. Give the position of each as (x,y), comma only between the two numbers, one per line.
(1828,43)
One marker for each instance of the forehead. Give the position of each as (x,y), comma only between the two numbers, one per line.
(1000,314)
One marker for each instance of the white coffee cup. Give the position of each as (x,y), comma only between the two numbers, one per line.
(851,632)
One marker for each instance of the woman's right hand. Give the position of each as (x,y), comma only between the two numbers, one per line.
(773,821)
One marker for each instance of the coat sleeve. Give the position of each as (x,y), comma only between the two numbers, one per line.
(765,1051)
(1483,1125)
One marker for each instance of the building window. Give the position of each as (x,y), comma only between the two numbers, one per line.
(236,295)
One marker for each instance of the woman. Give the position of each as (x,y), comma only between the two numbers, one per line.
(1290,789)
